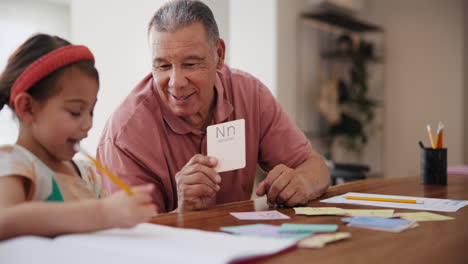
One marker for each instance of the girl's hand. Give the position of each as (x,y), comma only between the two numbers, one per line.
(121,210)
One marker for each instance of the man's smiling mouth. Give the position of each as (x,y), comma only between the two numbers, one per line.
(182,98)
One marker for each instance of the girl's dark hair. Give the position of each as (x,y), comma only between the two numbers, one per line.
(31,50)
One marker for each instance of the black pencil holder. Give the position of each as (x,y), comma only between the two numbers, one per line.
(434,166)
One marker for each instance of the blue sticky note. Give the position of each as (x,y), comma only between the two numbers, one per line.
(263,230)
(308,228)
(375,221)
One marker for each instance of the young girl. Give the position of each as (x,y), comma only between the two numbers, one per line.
(52,87)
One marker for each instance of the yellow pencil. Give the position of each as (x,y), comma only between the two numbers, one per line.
(430,136)
(376,199)
(105,170)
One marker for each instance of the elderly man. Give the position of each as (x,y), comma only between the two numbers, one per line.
(158,134)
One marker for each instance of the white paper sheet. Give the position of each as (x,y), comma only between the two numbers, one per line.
(429,204)
(146,243)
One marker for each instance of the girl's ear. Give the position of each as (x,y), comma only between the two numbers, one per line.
(24,107)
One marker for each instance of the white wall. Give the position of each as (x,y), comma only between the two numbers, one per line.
(18,21)
(263,41)
(308,57)
(288,90)
(253,39)
(222,14)
(424,77)
(115,31)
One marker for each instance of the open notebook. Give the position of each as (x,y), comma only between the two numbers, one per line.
(145,243)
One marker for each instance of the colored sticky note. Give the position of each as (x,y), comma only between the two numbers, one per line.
(263,215)
(263,230)
(308,228)
(319,240)
(319,211)
(380,223)
(375,221)
(365,212)
(424,216)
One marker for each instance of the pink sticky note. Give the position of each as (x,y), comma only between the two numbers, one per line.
(264,215)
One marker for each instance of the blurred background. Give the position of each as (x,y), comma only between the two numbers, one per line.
(361,78)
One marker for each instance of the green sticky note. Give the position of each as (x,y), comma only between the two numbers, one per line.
(239,228)
(264,230)
(308,228)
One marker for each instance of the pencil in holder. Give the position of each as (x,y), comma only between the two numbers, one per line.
(434,166)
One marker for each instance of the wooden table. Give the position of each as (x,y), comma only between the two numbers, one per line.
(431,242)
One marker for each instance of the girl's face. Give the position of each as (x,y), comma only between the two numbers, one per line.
(65,119)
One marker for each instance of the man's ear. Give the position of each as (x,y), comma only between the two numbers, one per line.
(24,107)
(221,52)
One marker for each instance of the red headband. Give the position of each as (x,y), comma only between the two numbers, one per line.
(47,64)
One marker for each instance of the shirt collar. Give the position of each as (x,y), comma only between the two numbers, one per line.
(222,110)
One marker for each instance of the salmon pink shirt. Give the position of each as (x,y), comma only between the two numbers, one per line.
(144,142)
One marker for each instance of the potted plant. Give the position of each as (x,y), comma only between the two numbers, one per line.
(357,109)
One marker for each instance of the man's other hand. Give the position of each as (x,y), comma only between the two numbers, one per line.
(283,186)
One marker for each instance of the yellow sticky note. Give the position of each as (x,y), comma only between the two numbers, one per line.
(319,241)
(365,212)
(319,211)
(424,216)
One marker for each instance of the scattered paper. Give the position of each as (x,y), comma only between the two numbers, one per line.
(262,215)
(143,244)
(375,221)
(363,212)
(308,228)
(319,211)
(263,230)
(319,240)
(423,216)
(339,211)
(379,223)
(429,204)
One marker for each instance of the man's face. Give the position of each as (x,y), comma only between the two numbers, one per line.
(184,69)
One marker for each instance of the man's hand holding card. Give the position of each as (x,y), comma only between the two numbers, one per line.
(198,181)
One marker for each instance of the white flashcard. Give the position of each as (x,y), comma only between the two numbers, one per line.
(226,142)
